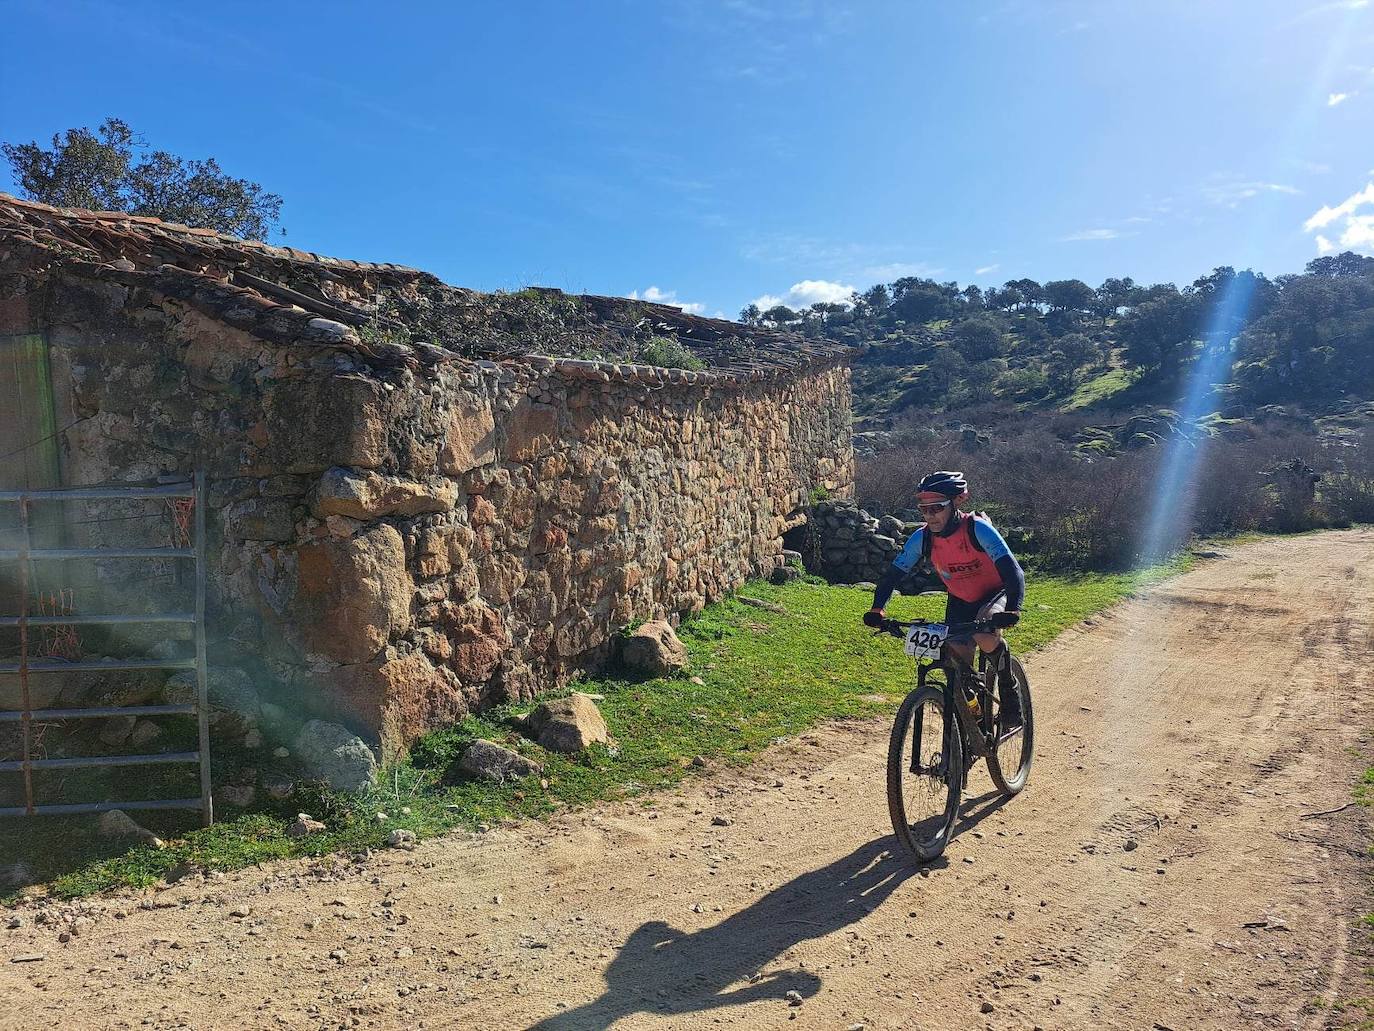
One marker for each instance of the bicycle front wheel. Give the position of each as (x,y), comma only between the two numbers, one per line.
(925,769)
(1010,761)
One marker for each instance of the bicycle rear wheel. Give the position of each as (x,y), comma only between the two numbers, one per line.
(925,767)
(1009,762)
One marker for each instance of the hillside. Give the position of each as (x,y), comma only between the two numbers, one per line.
(931,350)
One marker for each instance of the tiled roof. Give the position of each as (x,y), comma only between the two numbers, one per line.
(284,294)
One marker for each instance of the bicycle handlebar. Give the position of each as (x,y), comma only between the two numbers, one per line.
(997,621)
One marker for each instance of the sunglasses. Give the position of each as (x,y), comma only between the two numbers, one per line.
(933,509)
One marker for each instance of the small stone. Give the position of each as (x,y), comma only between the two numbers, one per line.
(986,1007)
(698,761)
(969,860)
(401,839)
(240,911)
(721,821)
(304,824)
(1131,845)
(793,998)
(16,922)
(339,955)
(28,957)
(382,817)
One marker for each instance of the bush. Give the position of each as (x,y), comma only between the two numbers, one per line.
(1077,512)
(667,353)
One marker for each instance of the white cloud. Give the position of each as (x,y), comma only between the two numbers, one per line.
(656,296)
(1231,192)
(820,291)
(986,269)
(1359,234)
(1091,234)
(1332,99)
(1356,225)
(1345,208)
(807,293)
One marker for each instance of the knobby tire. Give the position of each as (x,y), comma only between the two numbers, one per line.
(898,772)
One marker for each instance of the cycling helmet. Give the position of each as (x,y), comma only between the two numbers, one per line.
(951,485)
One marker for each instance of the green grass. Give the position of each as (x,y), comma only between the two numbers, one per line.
(764,676)
(1099,388)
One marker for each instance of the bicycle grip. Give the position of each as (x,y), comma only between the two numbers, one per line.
(1002,620)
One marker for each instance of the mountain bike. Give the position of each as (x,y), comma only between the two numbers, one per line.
(952,718)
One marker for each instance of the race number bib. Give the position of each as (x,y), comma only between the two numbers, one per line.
(925,642)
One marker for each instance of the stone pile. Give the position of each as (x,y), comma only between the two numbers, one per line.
(853,546)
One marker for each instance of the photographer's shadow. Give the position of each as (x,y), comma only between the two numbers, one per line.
(662,969)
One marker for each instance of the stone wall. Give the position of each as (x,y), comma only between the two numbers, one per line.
(398,543)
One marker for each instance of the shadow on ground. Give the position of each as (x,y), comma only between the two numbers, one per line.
(662,969)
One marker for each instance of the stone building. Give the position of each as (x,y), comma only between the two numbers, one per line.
(421,501)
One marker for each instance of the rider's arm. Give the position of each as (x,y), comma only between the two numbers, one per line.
(901,565)
(1013,579)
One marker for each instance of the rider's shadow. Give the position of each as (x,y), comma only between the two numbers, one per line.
(664,970)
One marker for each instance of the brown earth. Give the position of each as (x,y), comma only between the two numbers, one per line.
(1206,720)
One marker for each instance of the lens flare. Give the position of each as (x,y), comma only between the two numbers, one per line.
(1172,509)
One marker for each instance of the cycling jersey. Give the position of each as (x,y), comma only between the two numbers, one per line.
(971,574)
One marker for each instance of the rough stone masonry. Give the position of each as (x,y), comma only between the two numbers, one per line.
(405,530)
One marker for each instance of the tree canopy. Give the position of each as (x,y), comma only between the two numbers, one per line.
(112,169)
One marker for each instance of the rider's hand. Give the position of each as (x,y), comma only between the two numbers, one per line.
(874,618)
(1011,617)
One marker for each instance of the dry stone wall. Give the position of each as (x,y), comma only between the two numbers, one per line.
(396,545)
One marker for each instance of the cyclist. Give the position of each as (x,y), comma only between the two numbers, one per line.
(980,574)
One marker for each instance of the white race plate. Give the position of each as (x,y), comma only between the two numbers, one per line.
(925,642)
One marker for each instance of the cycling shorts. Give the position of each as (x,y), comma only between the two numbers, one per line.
(959,611)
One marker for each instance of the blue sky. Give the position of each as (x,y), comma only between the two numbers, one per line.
(716,152)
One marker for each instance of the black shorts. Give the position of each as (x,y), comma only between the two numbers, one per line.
(959,611)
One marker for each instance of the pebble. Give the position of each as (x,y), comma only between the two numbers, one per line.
(28,957)
(721,821)
(793,998)
(987,1007)
(240,911)
(16,922)
(1131,845)
(401,839)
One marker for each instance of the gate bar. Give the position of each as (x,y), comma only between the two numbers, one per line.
(207,803)
(60,553)
(100,713)
(82,762)
(183,489)
(108,620)
(25,577)
(75,809)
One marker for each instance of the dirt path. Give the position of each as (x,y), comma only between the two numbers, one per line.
(1202,720)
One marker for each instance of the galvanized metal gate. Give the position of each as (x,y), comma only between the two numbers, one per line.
(26,556)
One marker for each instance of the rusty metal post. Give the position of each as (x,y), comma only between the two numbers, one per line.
(207,803)
(25,577)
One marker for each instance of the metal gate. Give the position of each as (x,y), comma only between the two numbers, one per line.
(25,556)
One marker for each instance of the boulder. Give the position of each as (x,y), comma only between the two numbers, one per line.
(352,593)
(487,760)
(335,755)
(654,649)
(568,724)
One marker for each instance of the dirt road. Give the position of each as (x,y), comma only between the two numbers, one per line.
(1202,721)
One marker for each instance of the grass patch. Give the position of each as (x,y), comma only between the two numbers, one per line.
(764,676)
(1099,388)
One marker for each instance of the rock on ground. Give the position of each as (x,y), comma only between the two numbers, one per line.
(490,761)
(568,724)
(335,755)
(302,825)
(654,649)
(118,824)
